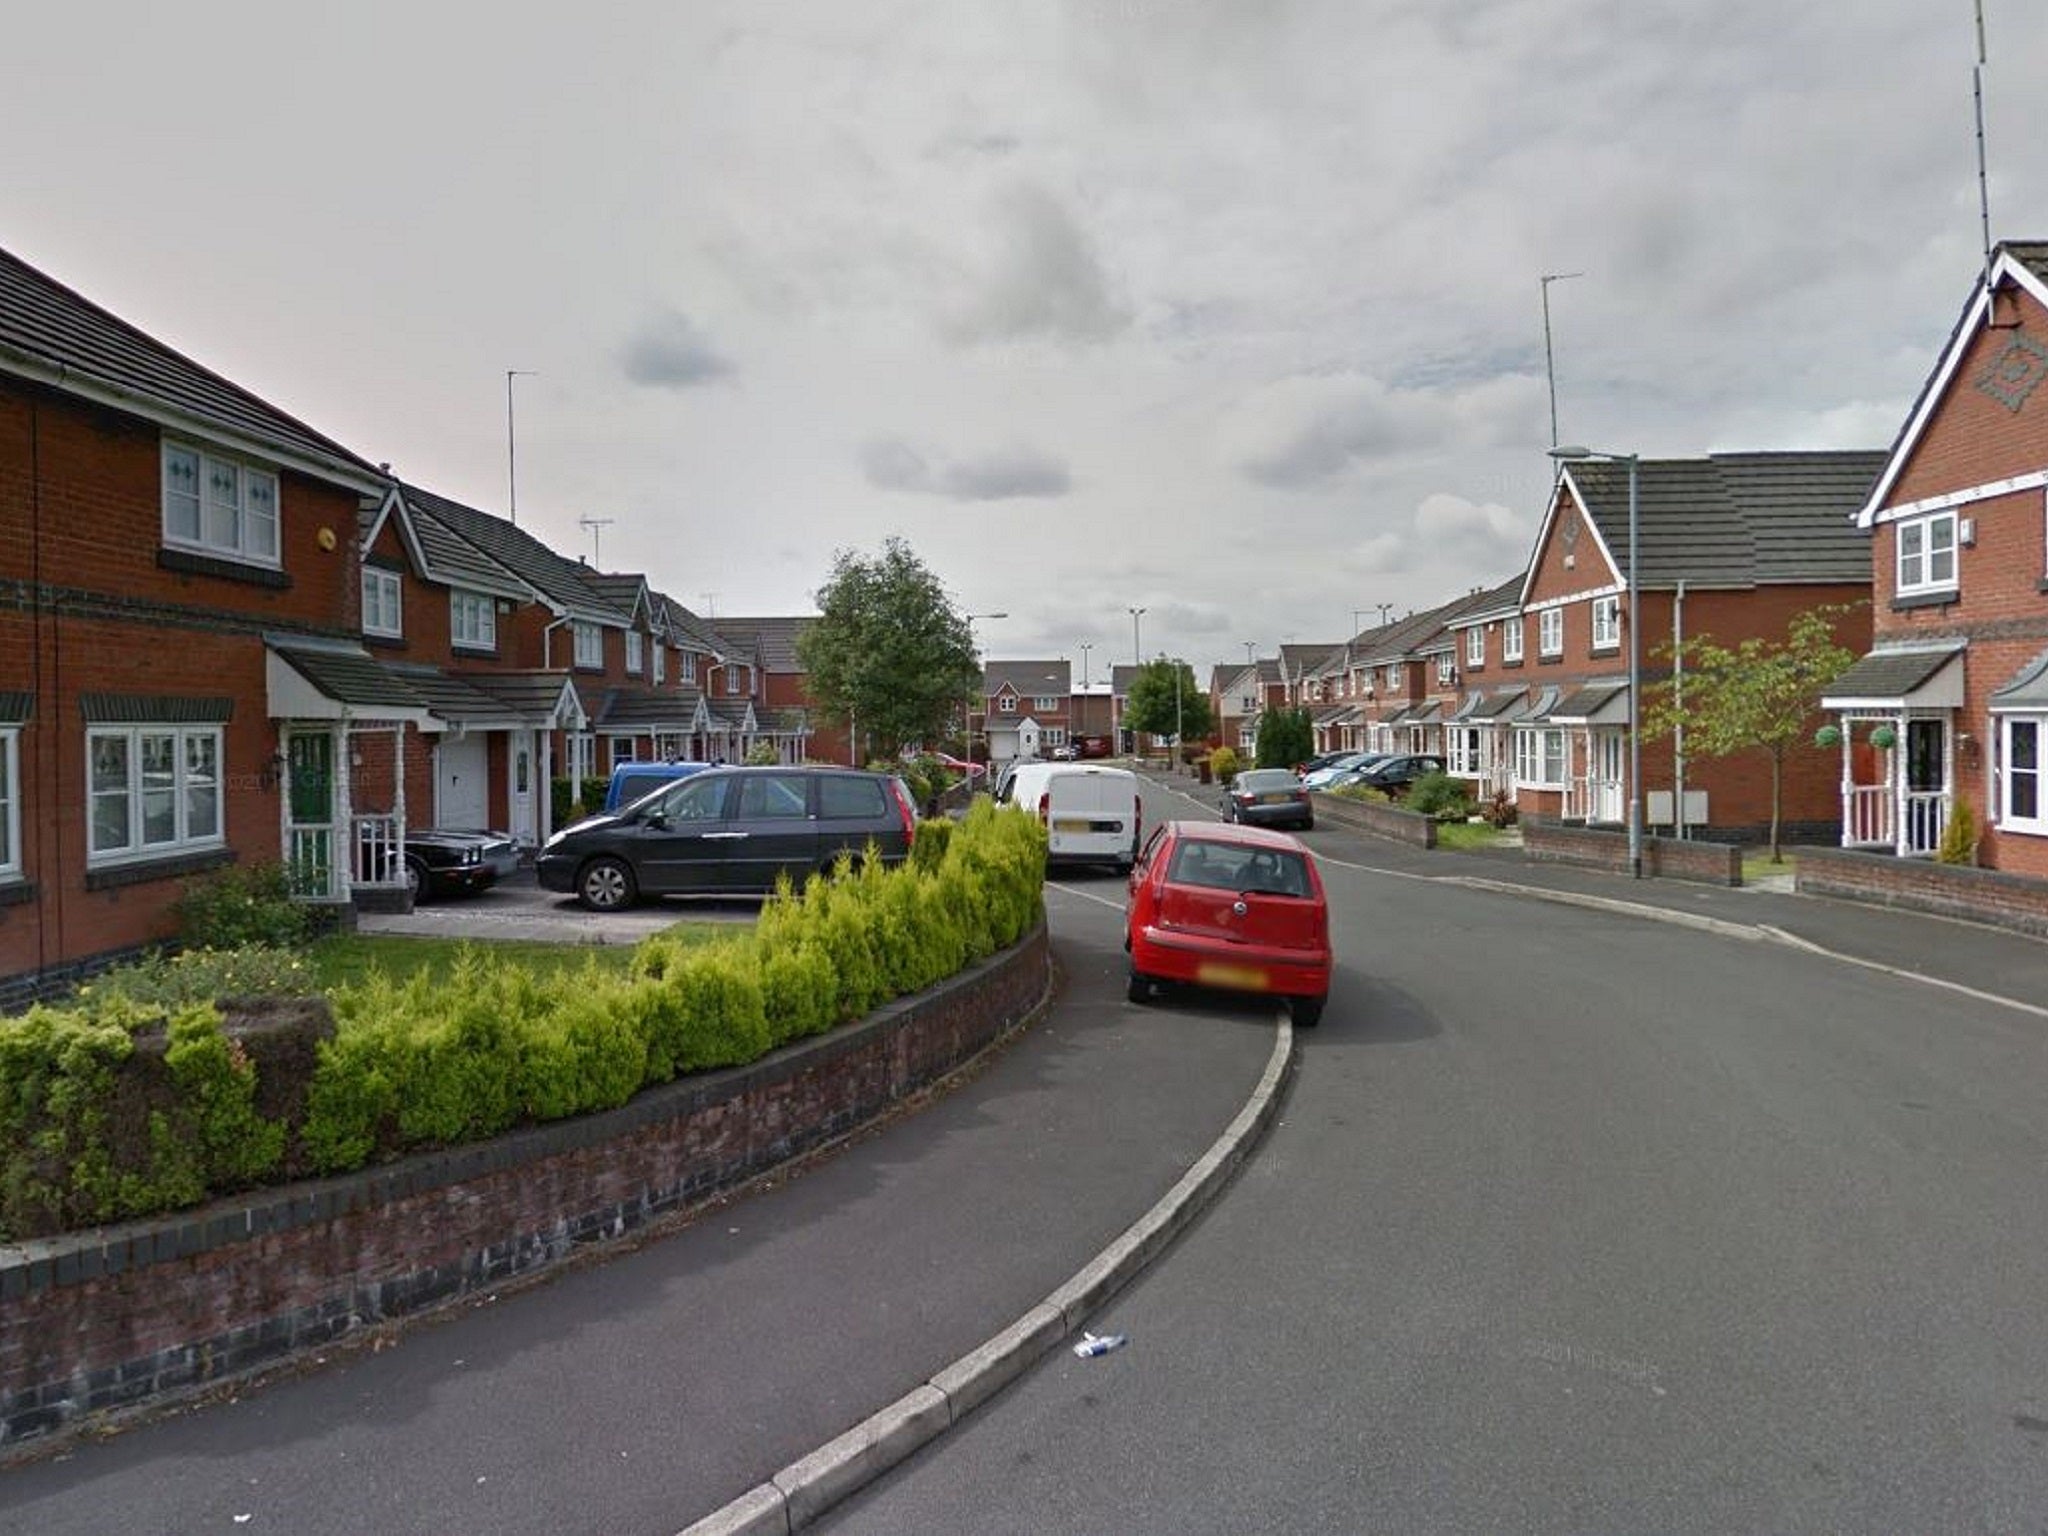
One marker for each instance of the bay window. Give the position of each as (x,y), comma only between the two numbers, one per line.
(2021,805)
(1539,757)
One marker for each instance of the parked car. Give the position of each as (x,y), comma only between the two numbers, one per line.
(730,832)
(635,781)
(1320,760)
(1268,797)
(1323,777)
(1091,814)
(1232,907)
(1394,774)
(449,861)
(1066,752)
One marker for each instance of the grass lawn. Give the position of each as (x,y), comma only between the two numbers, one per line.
(345,958)
(1757,865)
(1466,835)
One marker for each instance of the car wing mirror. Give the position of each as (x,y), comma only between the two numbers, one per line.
(655,821)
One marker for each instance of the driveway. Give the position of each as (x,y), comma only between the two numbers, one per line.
(519,909)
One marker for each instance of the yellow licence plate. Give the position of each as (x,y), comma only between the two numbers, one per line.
(1239,978)
(1280,799)
(1070,824)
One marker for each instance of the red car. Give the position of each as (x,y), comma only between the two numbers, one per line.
(1235,907)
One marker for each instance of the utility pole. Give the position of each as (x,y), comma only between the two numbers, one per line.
(511,455)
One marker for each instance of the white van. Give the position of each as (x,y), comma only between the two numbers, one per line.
(1091,815)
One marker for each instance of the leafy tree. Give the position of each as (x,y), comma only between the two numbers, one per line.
(1761,696)
(1150,706)
(1286,737)
(890,657)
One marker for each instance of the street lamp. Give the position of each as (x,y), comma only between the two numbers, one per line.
(1573,454)
(1137,648)
(1086,647)
(967,720)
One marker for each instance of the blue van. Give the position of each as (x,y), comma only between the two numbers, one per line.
(635,781)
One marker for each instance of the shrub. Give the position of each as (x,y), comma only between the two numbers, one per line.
(1439,795)
(1499,810)
(1959,837)
(168,983)
(762,754)
(1223,764)
(239,906)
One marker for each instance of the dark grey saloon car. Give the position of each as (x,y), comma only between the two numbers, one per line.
(729,832)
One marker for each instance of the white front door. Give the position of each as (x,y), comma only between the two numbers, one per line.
(523,828)
(462,790)
(1608,801)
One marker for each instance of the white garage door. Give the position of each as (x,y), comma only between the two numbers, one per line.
(464,791)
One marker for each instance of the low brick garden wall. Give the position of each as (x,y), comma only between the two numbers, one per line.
(2018,902)
(1666,858)
(1376,817)
(116,1317)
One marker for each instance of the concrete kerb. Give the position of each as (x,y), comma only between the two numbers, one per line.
(805,1489)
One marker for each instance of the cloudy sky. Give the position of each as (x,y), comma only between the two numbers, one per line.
(1225,309)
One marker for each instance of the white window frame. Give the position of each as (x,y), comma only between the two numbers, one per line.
(589,640)
(1550,632)
(635,643)
(472,620)
(1464,749)
(1475,646)
(582,762)
(1511,639)
(660,662)
(1044,703)
(1446,667)
(735,682)
(1394,678)
(245,524)
(185,789)
(1607,623)
(10,802)
(1007,704)
(1052,736)
(686,668)
(1919,554)
(383,602)
(2037,775)
(1540,760)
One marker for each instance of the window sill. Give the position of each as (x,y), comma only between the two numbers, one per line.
(1505,665)
(191,563)
(482,652)
(1550,661)
(1607,650)
(15,891)
(1942,599)
(385,642)
(112,877)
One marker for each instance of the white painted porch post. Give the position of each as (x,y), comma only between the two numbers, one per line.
(1848,786)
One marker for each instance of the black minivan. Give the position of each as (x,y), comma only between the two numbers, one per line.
(729,832)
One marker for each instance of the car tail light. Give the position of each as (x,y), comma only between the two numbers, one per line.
(1137,821)
(1045,807)
(905,809)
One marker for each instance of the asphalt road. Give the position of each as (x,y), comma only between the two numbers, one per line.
(1578,1223)
(637,1394)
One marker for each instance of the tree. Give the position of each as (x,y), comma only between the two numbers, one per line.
(1151,705)
(890,656)
(1762,696)
(1286,737)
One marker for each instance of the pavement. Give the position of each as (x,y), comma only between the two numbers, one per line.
(1016,1206)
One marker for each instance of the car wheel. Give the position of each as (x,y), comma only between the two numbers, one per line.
(605,885)
(1140,989)
(416,881)
(1308,823)
(1306,1011)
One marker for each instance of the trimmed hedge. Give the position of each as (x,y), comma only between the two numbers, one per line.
(120,1106)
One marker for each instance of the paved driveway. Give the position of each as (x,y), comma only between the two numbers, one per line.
(519,909)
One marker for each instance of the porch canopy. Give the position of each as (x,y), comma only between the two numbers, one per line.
(1495,705)
(308,680)
(1594,704)
(1469,705)
(1893,679)
(2027,690)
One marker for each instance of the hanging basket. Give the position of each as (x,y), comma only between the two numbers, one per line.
(1828,736)
(1884,737)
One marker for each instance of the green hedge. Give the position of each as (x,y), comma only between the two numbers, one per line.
(127,1103)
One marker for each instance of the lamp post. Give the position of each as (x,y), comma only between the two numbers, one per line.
(511,454)
(1086,647)
(967,720)
(1572,454)
(1137,660)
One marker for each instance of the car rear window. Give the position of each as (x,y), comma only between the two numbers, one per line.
(1231,867)
(1266,778)
(849,797)
(773,795)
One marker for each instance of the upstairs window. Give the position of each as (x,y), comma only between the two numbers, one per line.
(1394,678)
(218,506)
(1927,554)
(735,681)
(472,620)
(589,645)
(633,643)
(1475,646)
(1511,639)
(1446,668)
(1606,623)
(1044,703)
(1007,704)
(686,669)
(660,662)
(1550,632)
(380,602)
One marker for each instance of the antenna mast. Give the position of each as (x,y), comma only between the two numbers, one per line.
(595,525)
(1983,172)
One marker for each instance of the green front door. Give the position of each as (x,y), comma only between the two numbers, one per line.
(309,830)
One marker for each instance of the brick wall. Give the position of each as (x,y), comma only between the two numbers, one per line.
(1552,842)
(2018,902)
(1379,819)
(117,1317)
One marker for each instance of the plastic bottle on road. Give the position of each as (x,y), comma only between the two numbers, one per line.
(1092,1345)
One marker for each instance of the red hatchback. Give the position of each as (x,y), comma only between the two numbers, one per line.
(1234,907)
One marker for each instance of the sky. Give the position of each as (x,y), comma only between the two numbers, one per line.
(1228,310)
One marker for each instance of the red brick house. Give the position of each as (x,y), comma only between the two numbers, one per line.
(1950,706)
(1026,708)
(179,628)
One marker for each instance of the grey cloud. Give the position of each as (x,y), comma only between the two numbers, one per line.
(1043,278)
(1001,475)
(669,352)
